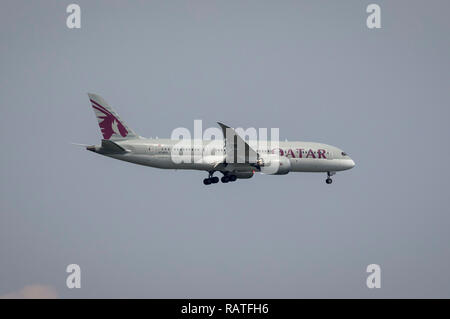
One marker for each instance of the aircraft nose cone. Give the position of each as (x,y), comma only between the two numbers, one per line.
(352,163)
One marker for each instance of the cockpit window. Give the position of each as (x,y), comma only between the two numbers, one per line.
(344,154)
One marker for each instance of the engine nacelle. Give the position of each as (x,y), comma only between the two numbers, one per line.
(244,174)
(275,165)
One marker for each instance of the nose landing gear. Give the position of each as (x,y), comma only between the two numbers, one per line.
(329,180)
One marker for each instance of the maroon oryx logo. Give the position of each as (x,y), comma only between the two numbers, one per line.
(109,124)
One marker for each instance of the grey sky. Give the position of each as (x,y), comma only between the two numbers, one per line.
(311,68)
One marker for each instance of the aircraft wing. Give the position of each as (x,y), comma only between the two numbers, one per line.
(237,150)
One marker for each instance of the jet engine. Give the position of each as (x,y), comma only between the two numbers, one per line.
(275,165)
(244,174)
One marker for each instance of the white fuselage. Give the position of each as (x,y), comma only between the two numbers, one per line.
(303,156)
(235,157)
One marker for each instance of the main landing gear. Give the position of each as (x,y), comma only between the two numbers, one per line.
(211,179)
(329,180)
(228,178)
(214,179)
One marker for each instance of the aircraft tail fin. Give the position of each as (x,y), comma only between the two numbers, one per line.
(111,125)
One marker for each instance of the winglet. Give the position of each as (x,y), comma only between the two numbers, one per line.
(223,127)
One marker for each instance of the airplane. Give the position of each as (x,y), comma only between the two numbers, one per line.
(232,156)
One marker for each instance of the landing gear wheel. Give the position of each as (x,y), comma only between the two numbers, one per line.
(329,180)
(233,178)
(214,180)
(225,179)
(207,181)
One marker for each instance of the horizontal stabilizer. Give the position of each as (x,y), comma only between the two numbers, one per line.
(109,146)
(83,145)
